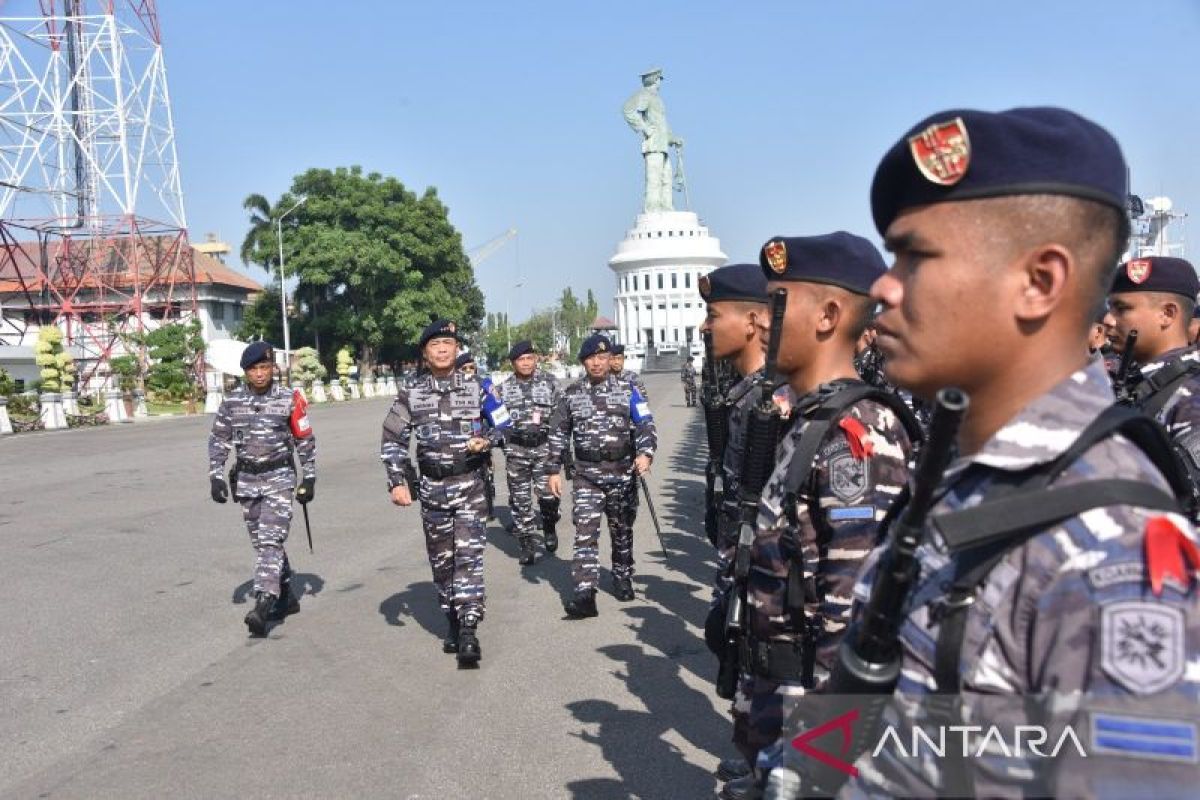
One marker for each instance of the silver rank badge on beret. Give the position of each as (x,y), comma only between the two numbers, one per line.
(942,151)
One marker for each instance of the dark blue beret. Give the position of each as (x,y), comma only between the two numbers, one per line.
(521,348)
(617,349)
(436,330)
(1157,274)
(256,352)
(463,359)
(744,282)
(963,154)
(839,259)
(596,343)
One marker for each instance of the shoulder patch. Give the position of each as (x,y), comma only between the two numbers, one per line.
(1141,645)
(849,476)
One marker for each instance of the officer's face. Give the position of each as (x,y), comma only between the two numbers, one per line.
(469,369)
(935,328)
(1135,311)
(597,366)
(258,376)
(616,363)
(732,327)
(799,335)
(441,352)
(524,365)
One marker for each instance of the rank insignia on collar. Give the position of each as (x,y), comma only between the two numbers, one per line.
(1138,270)
(705,286)
(942,151)
(776,253)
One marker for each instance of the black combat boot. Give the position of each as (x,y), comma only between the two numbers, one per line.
(743,788)
(450,643)
(549,519)
(528,554)
(256,619)
(287,603)
(582,606)
(731,768)
(623,589)
(469,651)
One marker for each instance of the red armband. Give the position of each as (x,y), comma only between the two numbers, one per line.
(301,428)
(860,445)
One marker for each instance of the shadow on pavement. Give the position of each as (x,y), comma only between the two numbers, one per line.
(418,602)
(303,583)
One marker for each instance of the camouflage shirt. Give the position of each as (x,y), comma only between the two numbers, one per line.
(1065,622)
(607,417)
(1181,413)
(829,525)
(444,413)
(629,376)
(530,403)
(258,429)
(741,401)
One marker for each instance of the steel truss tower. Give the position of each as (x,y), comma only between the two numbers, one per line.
(93,235)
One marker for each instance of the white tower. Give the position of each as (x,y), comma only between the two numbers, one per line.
(657,265)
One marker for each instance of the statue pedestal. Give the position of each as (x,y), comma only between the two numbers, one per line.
(381,387)
(391,385)
(368,388)
(657,266)
(114,406)
(354,393)
(139,406)
(336,391)
(70,403)
(318,391)
(5,421)
(52,414)
(213,391)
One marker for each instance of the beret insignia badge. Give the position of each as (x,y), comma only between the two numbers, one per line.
(776,253)
(942,151)
(1138,270)
(601,348)
(705,286)
(450,326)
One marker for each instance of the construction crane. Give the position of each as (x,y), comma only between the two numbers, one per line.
(489,249)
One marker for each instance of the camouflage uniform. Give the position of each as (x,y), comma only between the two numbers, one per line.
(530,402)
(630,503)
(826,530)
(445,413)
(1068,617)
(742,399)
(1180,414)
(609,424)
(687,375)
(628,376)
(257,428)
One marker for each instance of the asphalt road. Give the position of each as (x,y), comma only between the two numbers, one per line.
(126,671)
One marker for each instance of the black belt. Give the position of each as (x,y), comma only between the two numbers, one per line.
(459,467)
(777,661)
(252,468)
(594,456)
(527,439)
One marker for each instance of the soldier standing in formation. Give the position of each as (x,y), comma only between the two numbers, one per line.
(1156,296)
(836,472)
(530,398)
(609,425)
(736,297)
(465,363)
(456,422)
(616,365)
(1082,611)
(687,375)
(262,423)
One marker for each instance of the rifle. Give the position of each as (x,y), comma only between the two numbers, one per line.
(1121,380)
(716,428)
(762,435)
(870,656)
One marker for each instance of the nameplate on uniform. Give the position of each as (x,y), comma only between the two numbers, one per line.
(581,407)
(422,401)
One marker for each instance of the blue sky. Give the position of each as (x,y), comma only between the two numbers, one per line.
(513,109)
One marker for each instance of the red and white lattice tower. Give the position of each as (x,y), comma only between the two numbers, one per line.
(93,235)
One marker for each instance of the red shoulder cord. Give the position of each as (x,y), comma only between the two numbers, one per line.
(301,428)
(860,446)
(1167,547)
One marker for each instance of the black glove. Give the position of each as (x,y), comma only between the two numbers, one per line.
(220,492)
(307,491)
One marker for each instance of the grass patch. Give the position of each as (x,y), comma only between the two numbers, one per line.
(161,407)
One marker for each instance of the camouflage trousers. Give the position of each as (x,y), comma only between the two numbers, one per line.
(759,709)
(268,518)
(453,512)
(594,493)
(524,471)
(728,525)
(689,394)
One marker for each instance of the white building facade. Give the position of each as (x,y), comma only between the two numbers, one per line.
(657,266)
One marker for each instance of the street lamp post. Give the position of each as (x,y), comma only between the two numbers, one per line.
(287,335)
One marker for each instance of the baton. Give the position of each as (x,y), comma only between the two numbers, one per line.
(307,526)
(653,515)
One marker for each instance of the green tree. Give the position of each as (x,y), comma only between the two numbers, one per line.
(126,369)
(175,349)
(7,384)
(307,366)
(262,319)
(52,359)
(260,245)
(376,262)
(345,365)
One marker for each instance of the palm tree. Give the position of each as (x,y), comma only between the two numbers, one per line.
(259,245)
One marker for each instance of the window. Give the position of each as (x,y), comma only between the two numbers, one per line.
(675,306)
(218,310)
(237,312)
(660,281)
(674,279)
(687,280)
